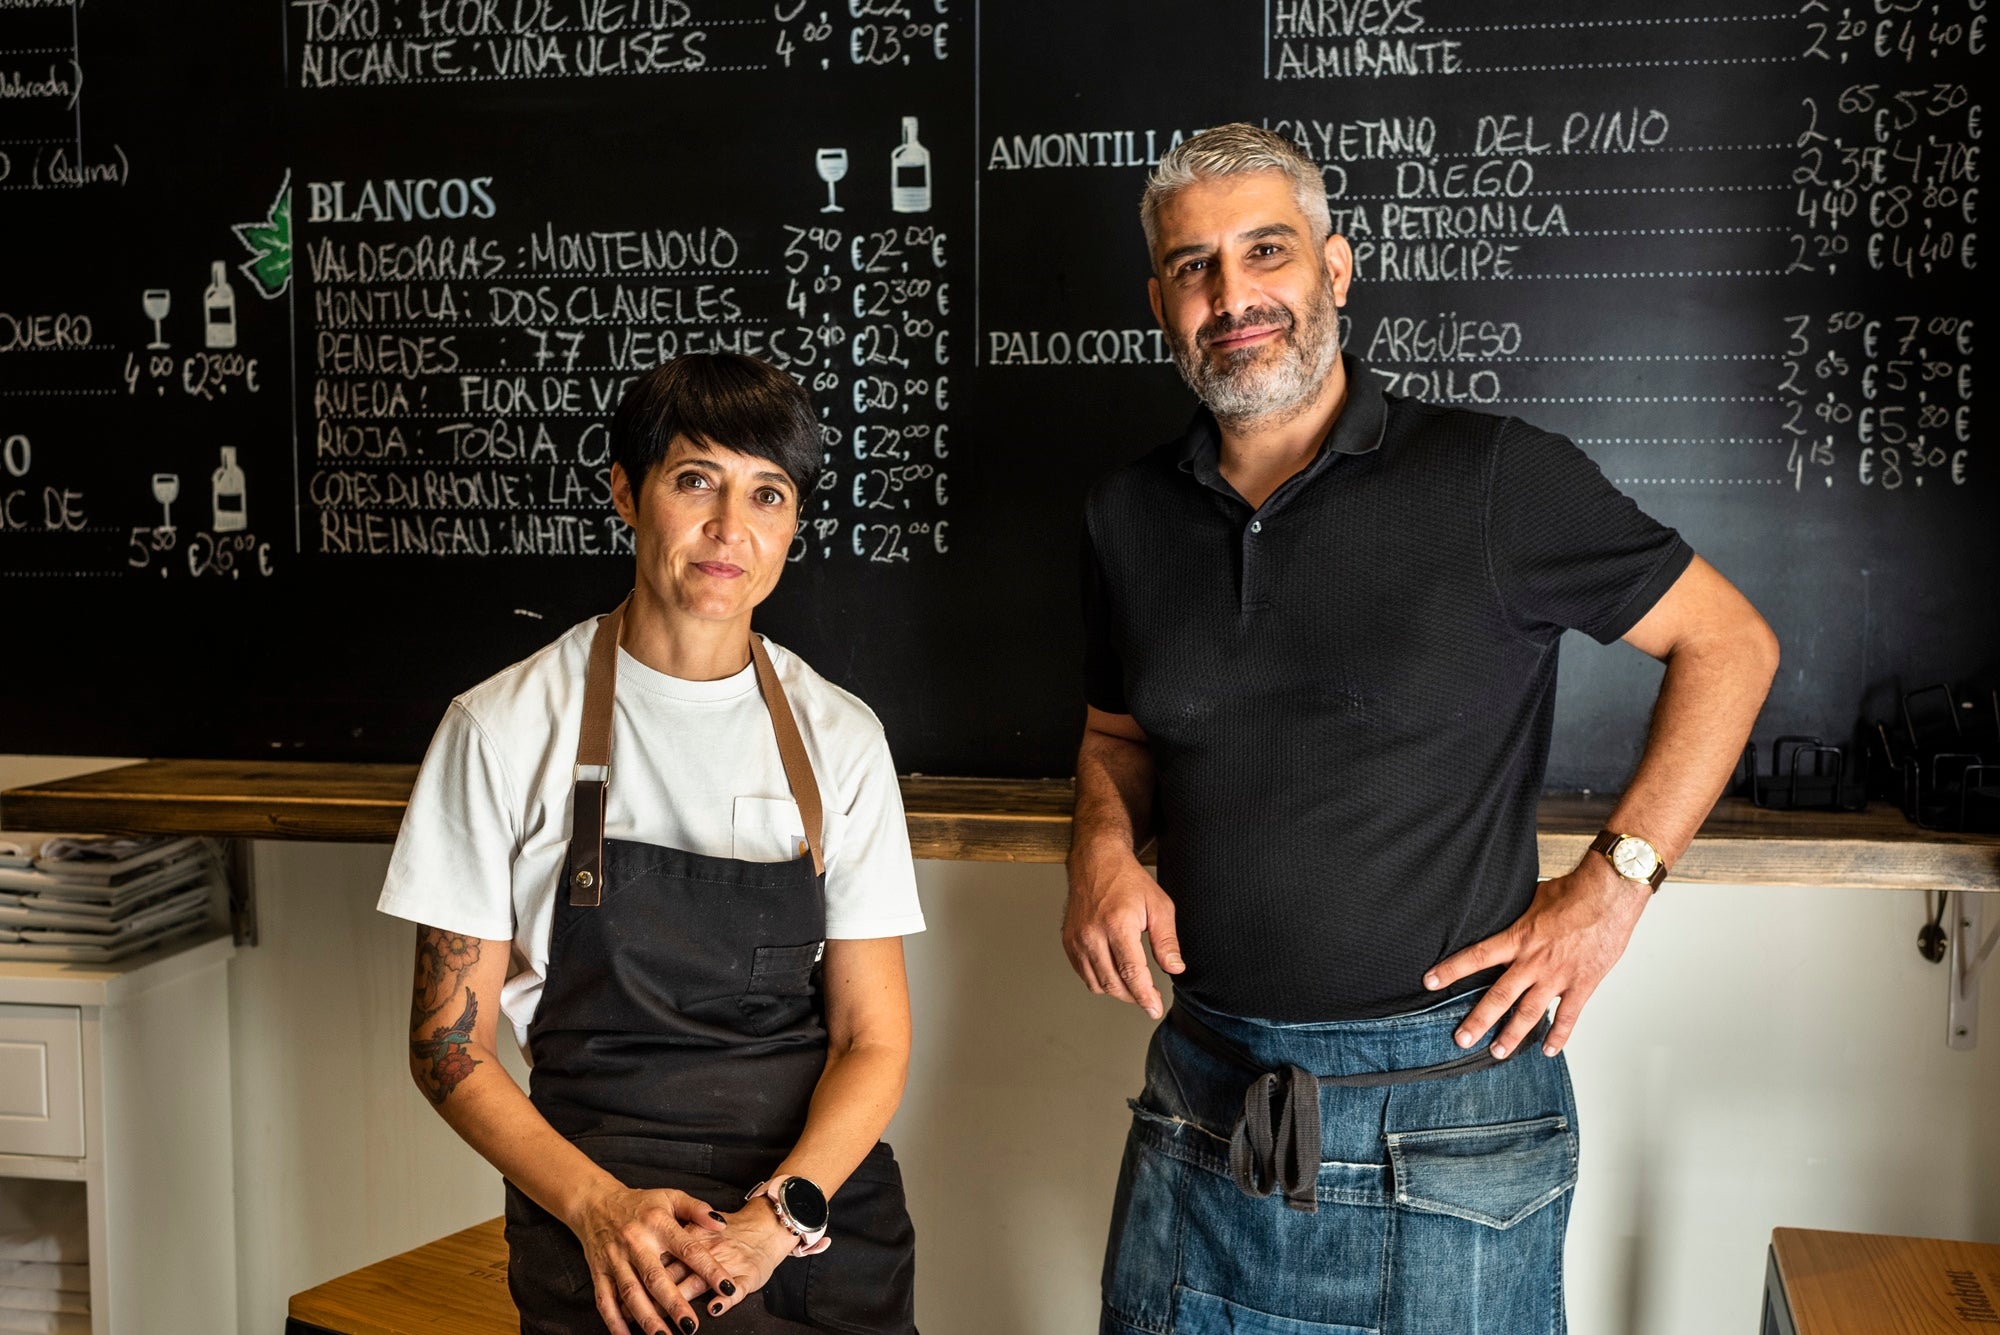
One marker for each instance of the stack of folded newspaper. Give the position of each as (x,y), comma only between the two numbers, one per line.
(97,899)
(44,1258)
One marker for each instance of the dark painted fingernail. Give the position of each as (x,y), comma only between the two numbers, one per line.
(716,1217)
(687,1325)
(728,1290)
(715,1309)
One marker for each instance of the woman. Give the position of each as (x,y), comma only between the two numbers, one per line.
(693,847)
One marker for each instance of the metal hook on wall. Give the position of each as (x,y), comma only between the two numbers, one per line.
(1931,940)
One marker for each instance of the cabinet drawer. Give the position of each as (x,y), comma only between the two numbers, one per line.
(41,1080)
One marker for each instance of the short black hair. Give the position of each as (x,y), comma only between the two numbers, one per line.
(718,399)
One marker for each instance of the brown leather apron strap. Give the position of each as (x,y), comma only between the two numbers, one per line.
(593,765)
(593,744)
(585,872)
(792,751)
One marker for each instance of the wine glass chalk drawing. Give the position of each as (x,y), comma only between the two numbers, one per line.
(158,301)
(166,490)
(831,164)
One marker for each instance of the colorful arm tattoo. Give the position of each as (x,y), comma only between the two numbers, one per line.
(449,1051)
(443,961)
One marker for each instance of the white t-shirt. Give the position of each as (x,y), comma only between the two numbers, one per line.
(694,766)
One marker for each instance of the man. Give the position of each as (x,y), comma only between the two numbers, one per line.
(1323,630)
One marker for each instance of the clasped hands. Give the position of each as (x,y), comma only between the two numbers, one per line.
(655,1254)
(1574,930)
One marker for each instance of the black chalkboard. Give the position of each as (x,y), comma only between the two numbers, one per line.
(1731,254)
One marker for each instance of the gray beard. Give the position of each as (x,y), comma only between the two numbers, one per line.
(1265,388)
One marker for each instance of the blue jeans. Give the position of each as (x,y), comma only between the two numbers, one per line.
(1442,1204)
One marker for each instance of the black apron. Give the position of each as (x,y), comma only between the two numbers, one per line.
(680,1036)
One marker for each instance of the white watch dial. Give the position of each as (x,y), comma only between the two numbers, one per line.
(1634,858)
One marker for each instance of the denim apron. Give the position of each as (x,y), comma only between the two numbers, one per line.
(680,1036)
(1431,1198)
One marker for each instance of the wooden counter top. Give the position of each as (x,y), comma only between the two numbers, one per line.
(1867,1284)
(456,1284)
(989,820)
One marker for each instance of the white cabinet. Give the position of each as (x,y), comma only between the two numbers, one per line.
(41,1080)
(116,1078)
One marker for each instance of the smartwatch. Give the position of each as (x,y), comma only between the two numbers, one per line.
(1631,857)
(801,1208)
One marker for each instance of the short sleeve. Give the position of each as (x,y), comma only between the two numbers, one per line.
(1567,550)
(1103,670)
(453,864)
(871,883)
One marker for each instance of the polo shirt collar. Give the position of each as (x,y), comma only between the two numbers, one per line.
(1358,430)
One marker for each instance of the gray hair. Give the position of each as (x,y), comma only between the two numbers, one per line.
(1231,150)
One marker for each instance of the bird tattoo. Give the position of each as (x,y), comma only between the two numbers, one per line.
(447,1050)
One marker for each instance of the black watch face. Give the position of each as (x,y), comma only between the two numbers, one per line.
(805,1203)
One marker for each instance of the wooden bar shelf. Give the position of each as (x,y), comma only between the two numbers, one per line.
(981,820)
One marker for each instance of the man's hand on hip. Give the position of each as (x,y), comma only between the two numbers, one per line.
(1112,902)
(1562,947)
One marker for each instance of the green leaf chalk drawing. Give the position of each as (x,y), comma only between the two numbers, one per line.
(269,242)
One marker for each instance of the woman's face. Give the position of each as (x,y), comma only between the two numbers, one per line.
(711,528)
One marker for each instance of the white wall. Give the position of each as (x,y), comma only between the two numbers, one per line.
(1761,1057)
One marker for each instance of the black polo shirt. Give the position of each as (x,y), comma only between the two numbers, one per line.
(1349,691)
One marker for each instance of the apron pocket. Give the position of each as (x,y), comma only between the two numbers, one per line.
(785,971)
(864,1285)
(783,990)
(1493,1175)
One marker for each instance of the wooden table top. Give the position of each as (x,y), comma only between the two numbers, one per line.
(1865,1284)
(991,820)
(456,1284)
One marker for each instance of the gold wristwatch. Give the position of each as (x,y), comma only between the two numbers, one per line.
(1631,857)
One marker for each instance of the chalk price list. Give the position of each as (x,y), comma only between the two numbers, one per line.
(462,381)
(228,549)
(374,43)
(1884,399)
(1888,178)
(1888,166)
(43,491)
(880,300)
(877,33)
(1886,184)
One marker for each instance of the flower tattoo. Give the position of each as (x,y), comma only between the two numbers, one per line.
(443,961)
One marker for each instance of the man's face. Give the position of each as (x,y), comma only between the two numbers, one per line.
(711,528)
(1248,296)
